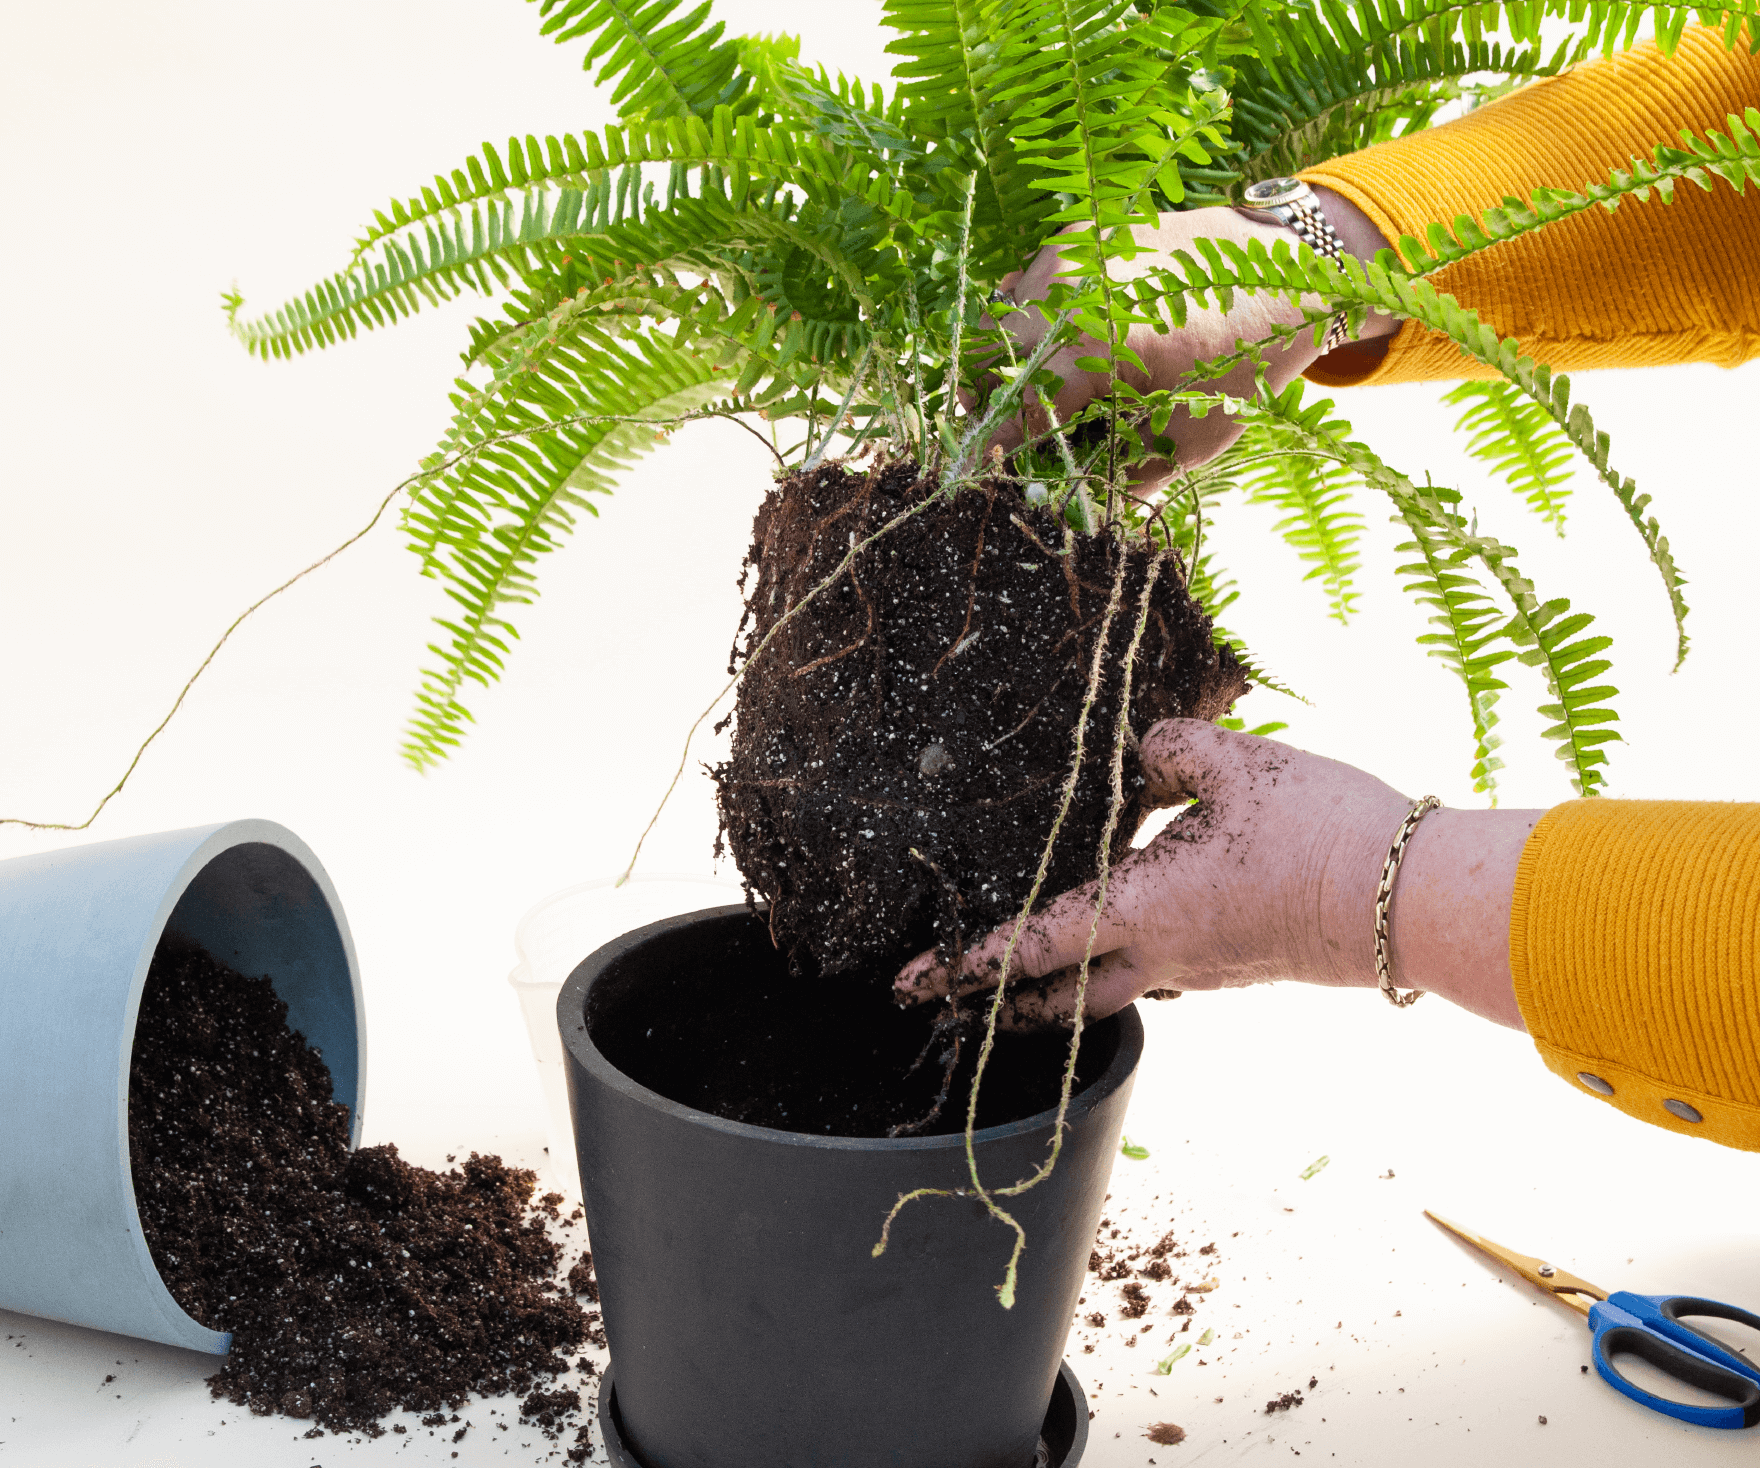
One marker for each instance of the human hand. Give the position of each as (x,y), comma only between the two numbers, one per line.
(1208,333)
(1271,874)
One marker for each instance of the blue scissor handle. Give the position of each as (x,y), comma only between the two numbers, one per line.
(1649,1327)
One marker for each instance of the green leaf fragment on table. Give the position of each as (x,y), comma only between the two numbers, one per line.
(1208,1336)
(1318,1165)
(1165,1364)
(1132,1150)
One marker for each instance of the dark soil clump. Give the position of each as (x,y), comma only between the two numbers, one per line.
(353,1285)
(902,745)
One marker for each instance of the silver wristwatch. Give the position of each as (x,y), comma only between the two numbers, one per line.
(1291,203)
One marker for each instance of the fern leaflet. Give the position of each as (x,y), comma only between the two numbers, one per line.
(1521,443)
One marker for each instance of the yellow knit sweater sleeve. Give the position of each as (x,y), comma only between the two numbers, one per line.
(1634,940)
(1650,284)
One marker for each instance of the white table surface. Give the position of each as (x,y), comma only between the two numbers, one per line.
(1422,1353)
(156,481)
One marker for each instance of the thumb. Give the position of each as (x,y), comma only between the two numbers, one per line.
(1192,759)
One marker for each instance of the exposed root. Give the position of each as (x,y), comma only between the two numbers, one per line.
(855,549)
(958,645)
(1123,738)
(950,1031)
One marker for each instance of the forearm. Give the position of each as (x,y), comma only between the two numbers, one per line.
(1448,926)
(1450,920)
(1649,284)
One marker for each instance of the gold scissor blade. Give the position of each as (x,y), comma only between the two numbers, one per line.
(1563,1286)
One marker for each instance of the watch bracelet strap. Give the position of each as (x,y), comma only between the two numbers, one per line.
(1312,227)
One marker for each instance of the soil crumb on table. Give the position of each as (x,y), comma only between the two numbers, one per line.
(1166,1434)
(354,1285)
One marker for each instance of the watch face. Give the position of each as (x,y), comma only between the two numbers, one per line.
(1270,192)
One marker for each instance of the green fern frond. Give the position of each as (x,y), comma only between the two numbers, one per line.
(486,247)
(1356,287)
(1321,79)
(662,67)
(482,525)
(1602,26)
(962,60)
(1733,157)
(1521,443)
(1543,632)
(1323,83)
(740,154)
(1471,625)
(1312,494)
(847,117)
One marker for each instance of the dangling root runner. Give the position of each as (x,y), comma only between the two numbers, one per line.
(1122,738)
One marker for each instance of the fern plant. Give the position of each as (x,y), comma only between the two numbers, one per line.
(755,237)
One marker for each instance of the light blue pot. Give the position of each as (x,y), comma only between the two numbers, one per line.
(78,928)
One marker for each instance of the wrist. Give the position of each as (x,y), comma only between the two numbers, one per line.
(1362,239)
(1342,889)
(1449,928)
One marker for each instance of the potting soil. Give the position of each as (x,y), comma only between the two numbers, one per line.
(353,1285)
(902,744)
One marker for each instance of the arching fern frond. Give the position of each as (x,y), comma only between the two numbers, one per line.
(1313,495)
(740,154)
(1733,157)
(1356,287)
(605,237)
(482,525)
(1545,634)
(1471,627)
(662,67)
(1521,443)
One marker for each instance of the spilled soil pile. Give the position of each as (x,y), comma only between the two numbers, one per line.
(354,1285)
(902,745)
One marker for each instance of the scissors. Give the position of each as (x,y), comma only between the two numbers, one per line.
(1650,1327)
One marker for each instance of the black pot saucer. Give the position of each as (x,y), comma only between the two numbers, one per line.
(1065,1432)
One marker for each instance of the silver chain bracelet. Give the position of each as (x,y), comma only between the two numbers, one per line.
(1384,903)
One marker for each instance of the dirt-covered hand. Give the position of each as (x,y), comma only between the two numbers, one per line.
(1207,334)
(1269,873)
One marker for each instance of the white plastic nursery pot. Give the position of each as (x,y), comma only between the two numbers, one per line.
(555,936)
(78,930)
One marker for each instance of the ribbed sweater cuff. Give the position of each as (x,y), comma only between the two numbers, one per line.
(1635,949)
(1649,284)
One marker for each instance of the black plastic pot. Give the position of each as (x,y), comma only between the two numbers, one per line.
(1063,1437)
(749,1323)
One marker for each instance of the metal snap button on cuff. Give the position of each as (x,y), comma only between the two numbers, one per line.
(1682,1110)
(1595,1083)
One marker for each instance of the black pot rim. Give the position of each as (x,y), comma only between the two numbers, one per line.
(571,1006)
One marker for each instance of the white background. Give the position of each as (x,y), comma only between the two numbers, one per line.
(155,481)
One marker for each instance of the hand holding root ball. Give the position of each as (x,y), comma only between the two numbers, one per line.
(1270,873)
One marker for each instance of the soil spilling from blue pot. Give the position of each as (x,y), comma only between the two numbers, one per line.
(354,1284)
(902,744)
